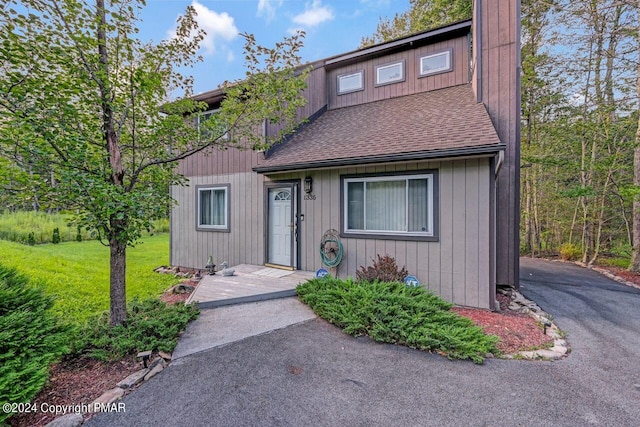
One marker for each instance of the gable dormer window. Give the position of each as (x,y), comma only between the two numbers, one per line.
(435,63)
(352,82)
(390,73)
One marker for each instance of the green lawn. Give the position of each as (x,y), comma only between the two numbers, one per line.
(77,273)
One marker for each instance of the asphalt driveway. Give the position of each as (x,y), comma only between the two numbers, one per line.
(312,374)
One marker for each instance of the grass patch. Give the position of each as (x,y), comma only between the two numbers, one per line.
(76,274)
(151,325)
(617,261)
(395,313)
(17,226)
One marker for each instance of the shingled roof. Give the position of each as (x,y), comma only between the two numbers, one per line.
(442,123)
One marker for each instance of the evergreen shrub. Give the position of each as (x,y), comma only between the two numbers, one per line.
(31,338)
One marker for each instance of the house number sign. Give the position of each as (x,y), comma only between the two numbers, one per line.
(309,196)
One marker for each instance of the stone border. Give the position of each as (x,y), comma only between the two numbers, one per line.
(608,274)
(109,398)
(560,347)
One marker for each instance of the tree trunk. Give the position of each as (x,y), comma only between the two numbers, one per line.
(118,293)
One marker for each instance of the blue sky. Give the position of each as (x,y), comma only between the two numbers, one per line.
(332,27)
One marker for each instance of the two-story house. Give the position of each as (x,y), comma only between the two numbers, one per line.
(411,149)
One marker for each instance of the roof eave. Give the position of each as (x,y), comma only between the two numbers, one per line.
(447,31)
(483,150)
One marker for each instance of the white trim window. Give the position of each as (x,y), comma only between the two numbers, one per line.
(435,63)
(213,207)
(204,116)
(390,73)
(389,205)
(351,82)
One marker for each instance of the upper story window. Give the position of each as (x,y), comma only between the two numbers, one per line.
(435,63)
(390,205)
(390,73)
(351,82)
(213,208)
(206,132)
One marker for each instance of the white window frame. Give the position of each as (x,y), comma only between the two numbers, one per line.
(207,113)
(401,78)
(430,208)
(212,227)
(447,53)
(343,77)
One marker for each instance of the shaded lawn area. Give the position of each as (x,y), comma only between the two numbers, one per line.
(77,273)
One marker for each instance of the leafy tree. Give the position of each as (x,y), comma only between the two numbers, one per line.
(80,91)
(422,15)
(634,265)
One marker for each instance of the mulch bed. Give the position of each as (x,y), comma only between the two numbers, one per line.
(75,382)
(517,331)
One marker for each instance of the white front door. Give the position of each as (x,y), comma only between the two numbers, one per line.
(280,226)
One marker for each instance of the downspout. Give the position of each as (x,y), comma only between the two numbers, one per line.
(499,162)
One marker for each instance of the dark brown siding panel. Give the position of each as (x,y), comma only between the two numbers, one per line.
(412,84)
(499,89)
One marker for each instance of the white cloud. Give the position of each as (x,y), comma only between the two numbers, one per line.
(293,30)
(230,56)
(376,3)
(314,14)
(218,27)
(267,8)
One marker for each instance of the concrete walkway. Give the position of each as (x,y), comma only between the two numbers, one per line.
(223,325)
(250,283)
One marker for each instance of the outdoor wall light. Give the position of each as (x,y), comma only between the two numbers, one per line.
(308,182)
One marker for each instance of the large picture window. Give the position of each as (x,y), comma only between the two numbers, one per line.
(395,205)
(213,208)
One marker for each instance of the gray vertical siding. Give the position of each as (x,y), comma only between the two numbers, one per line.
(244,242)
(455,267)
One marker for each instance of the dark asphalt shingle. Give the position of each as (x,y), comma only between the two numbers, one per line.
(440,120)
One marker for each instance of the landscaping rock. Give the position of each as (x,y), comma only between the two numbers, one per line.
(108,397)
(157,361)
(155,371)
(133,379)
(182,288)
(560,349)
(165,356)
(69,420)
(540,354)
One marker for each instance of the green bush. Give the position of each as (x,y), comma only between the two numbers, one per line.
(399,314)
(30,338)
(570,252)
(55,239)
(31,239)
(384,269)
(151,325)
(79,234)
